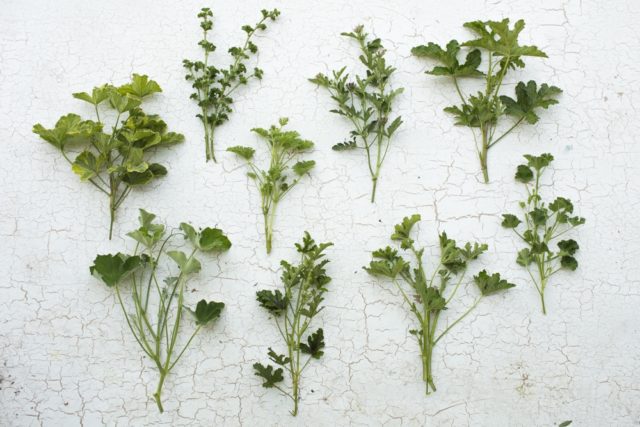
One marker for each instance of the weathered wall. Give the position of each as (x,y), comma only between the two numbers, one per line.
(66,357)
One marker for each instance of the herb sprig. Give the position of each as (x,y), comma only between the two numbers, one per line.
(215,85)
(543,224)
(274,182)
(367,102)
(430,294)
(154,311)
(114,161)
(485,110)
(293,311)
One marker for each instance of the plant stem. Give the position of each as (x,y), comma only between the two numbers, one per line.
(158,394)
(112,211)
(373,191)
(483,157)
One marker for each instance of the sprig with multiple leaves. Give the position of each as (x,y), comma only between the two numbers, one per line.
(430,294)
(543,224)
(215,85)
(293,311)
(154,311)
(367,102)
(274,182)
(484,111)
(114,161)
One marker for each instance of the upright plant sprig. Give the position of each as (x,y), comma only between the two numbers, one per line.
(485,110)
(274,182)
(543,224)
(430,294)
(214,85)
(154,311)
(114,160)
(367,102)
(293,311)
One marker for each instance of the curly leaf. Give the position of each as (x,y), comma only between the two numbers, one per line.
(314,345)
(490,284)
(270,376)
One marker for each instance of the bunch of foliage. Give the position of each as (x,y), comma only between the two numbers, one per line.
(215,85)
(431,294)
(304,289)
(274,183)
(542,225)
(153,308)
(367,102)
(113,160)
(484,111)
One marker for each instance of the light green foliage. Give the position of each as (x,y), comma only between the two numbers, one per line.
(366,101)
(215,85)
(540,227)
(293,311)
(275,182)
(428,295)
(153,308)
(115,159)
(484,112)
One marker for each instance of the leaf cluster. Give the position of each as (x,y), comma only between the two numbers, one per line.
(114,160)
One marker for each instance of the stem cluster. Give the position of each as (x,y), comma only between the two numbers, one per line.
(367,102)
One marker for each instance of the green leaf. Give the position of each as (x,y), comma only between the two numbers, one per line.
(68,129)
(497,37)
(490,284)
(565,423)
(98,94)
(347,145)
(539,216)
(279,359)
(274,302)
(510,221)
(568,247)
(87,165)
(524,174)
(213,239)
(539,162)
(433,301)
(303,167)
(149,233)
(524,257)
(123,103)
(207,311)
(449,60)
(561,204)
(112,269)
(576,220)
(314,345)
(569,262)
(528,99)
(140,87)
(270,376)
(244,152)
(402,231)
(187,265)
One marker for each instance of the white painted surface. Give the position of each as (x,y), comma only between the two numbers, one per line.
(67,357)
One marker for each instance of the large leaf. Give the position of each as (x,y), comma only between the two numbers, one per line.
(87,165)
(140,86)
(449,60)
(68,129)
(206,312)
(187,265)
(112,269)
(490,284)
(497,37)
(528,99)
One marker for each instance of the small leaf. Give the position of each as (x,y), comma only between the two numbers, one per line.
(207,311)
(524,257)
(140,87)
(524,174)
(187,265)
(86,165)
(213,239)
(303,167)
(270,376)
(569,262)
(244,152)
(568,247)
(279,359)
(314,345)
(510,221)
(275,302)
(402,231)
(112,269)
(490,284)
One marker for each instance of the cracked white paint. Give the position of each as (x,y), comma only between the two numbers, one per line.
(66,356)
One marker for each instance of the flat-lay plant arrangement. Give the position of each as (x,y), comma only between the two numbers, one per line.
(487,109)
(154,307)
(429,293)
(113,158)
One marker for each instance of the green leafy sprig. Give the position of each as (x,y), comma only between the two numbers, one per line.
(293,311)
(430,294)
(153,308)
(367,102)
(215,85)
(484,111)
(274,182)
(542,225)
(113,161)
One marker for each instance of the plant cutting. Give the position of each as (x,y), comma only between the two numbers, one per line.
(275,181)
(114,160)
(541,226)
(214,85)
(366,101)
(153,308)
(293,311)
(428,295)
(484,112)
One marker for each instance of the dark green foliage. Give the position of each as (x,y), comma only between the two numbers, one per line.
(366,101)
(541,225)
(215,85)
(274,182)
(114,161)
(144,295)
(483,111)
(431,294)
(304,289)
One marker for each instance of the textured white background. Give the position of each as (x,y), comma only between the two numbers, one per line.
(66,356)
